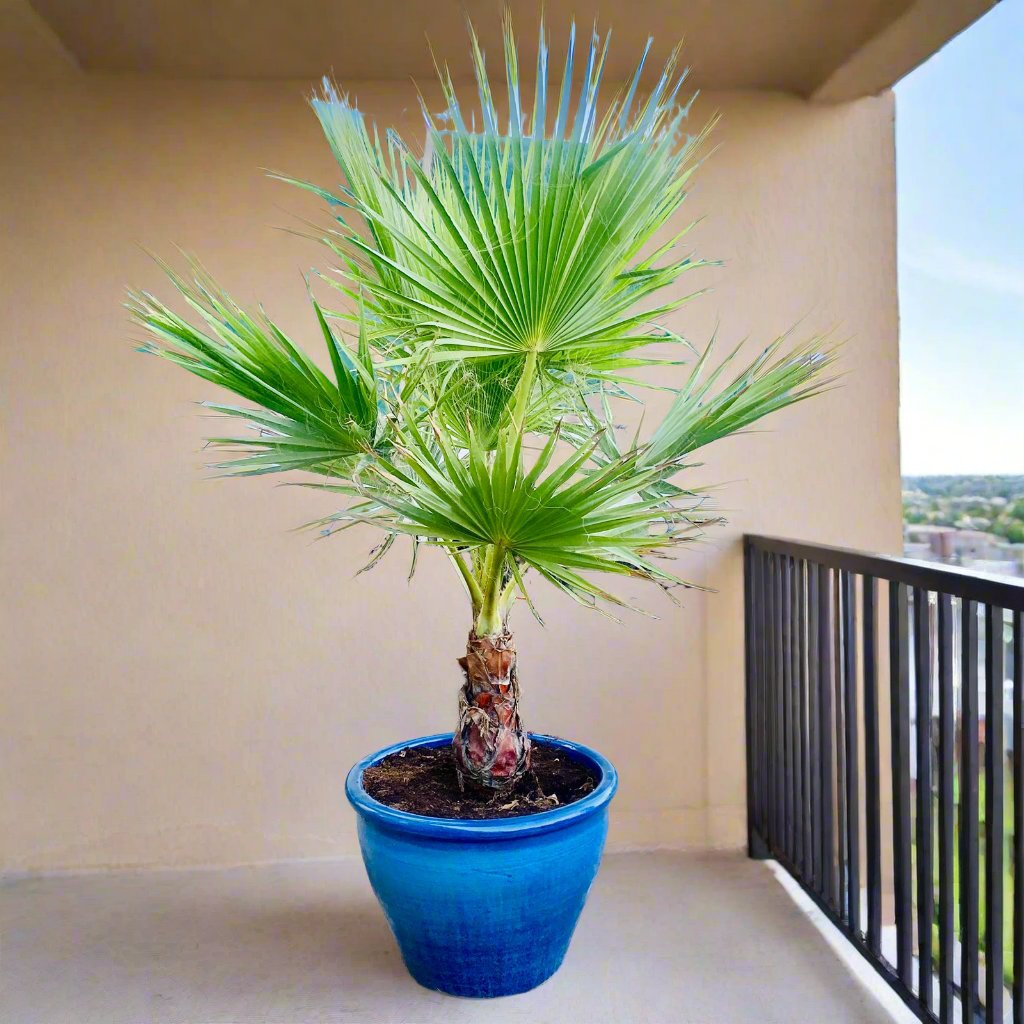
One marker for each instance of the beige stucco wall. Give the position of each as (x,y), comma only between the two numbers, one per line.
(186,681)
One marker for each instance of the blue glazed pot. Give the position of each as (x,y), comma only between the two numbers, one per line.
(483,908)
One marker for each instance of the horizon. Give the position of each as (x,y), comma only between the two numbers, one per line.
(952,476)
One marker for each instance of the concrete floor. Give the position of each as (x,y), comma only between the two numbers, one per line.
(665,939)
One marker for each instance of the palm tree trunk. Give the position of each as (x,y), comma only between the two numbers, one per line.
(491,748)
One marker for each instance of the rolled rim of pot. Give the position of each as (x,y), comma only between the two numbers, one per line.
(483,829)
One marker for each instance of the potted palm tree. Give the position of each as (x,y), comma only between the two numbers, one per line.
(502,291)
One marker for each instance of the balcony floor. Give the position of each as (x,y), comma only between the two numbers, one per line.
(665,939)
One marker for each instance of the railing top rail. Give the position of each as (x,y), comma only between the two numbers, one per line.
(1002,591)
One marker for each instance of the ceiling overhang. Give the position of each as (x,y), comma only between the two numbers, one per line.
(823,49)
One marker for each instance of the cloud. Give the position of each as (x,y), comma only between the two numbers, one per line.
(956,267)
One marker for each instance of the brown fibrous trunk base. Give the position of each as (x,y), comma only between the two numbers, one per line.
(490,746)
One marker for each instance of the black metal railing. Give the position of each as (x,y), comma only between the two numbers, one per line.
(885,763)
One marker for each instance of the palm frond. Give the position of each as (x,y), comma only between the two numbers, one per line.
(504,288)
(510,239)
(557,517)
(704,411)
(303,419)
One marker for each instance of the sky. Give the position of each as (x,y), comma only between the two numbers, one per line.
(960,203)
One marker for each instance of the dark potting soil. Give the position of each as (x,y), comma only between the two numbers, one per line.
(422,780)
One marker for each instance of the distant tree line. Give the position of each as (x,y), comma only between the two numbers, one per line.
(992,504)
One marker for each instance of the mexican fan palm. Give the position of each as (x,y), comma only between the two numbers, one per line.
(499,290)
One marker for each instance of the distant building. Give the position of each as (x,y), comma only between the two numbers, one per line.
(971,549)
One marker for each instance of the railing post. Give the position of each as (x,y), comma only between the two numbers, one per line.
(924,835)
(1017,743)
(994,814)
(947,766)
(899,706)
(757,849)
(969,894)
(872,766)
